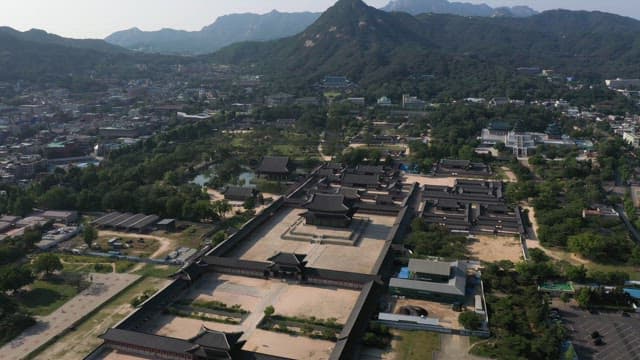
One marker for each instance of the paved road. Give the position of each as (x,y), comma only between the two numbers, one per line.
(250,324)
(103,288)
(454,347)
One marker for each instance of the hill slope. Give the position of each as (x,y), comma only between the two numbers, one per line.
(369,45)
(224,31)
(39,56)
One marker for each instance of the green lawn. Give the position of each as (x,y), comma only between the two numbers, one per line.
(415,345)
(46,296)
(190,237)
(563,255)
(157,271)
(79,343)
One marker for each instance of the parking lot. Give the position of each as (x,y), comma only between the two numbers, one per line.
(620,334)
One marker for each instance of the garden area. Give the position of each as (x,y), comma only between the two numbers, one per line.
(310,327)
(214,311)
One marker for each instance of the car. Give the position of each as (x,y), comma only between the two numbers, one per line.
(625,314)
(598,342)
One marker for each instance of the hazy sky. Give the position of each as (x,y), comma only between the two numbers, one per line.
(99,18)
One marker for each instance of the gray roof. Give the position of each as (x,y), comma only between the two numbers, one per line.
(455,163)
(274,164)
(373,169)
(361,179)
(327,203)
(430,267)
(239,191)
(291,259)
(456,285)
(161,343)
(349,193)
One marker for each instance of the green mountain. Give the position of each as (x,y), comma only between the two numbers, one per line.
(224,31)
(43,37)
(350,38)
(371,45)
(40,56)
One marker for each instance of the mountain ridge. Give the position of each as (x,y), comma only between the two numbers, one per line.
(226,30)
(367,44)
(233,28)
(416,7)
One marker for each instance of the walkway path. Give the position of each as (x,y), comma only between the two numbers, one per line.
(454,347)
(250,324)
(102,288)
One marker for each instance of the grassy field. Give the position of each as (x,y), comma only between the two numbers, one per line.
(79,343)
(558,254)
(87,264)
(415,345)
(189,237)
(157,271)
(44,297)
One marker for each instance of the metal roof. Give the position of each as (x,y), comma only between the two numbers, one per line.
(430,267)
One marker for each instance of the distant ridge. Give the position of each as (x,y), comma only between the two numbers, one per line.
(416,7)
(236,28)
(226,30)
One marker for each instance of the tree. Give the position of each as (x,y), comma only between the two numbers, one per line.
(31,236)
(538,255)
(218,237)
(15,277)
(47,263)
(584,297)
(250,203)
(565,298)
(22,206)
(576,273)
(221,207)
(470,320)
(90,234)
(269,311)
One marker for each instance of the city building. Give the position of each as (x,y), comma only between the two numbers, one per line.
(412,102)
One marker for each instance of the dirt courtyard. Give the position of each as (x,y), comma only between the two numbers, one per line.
(447,317)
(428,180)
(292,347)
(491,248)
(267,241)
(255,295)
(323,303)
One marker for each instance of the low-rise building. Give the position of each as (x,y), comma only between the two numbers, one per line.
(432,280)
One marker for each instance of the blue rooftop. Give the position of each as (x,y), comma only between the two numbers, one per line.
(634,293)
(404,273)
